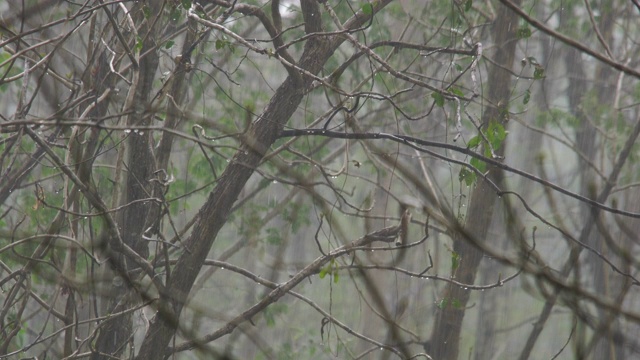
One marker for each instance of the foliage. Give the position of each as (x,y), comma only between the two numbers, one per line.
(277,179)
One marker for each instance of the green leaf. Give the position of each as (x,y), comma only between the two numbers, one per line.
(487,151)
(455,261)
(273,237)
(324,271)
(439,98)
(538,73)
(14,70)
(4,56)
(442,303)
(474,142)
(138,44)
(455,303)
(175,13)
(336,277)
(456,92)
(466,175)
(169,44)
(496,135)
(186,4)
(222,43)
(367,9)
(146,10)
(523,32)
(467,5)
(478,164)
(458,67)
(527,97)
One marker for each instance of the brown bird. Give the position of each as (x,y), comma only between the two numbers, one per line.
(391,233)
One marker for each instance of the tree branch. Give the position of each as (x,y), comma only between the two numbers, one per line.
(412,141)
(214,213)
(569,41)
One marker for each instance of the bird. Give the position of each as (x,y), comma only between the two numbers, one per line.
(387,234)
(391,233)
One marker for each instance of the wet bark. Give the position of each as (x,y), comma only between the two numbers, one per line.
(445,337)
(259,137)
(603,341)
(116,332)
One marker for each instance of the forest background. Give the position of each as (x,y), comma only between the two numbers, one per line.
(443,179)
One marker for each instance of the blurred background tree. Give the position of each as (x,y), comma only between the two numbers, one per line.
(319,179)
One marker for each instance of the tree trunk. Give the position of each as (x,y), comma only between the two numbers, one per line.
(260,136)
(445,338)
(116,332)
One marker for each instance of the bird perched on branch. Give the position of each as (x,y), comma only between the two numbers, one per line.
(392,233)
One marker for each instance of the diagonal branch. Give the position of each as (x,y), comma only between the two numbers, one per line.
(417,142)
(569,41)
(257,140)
